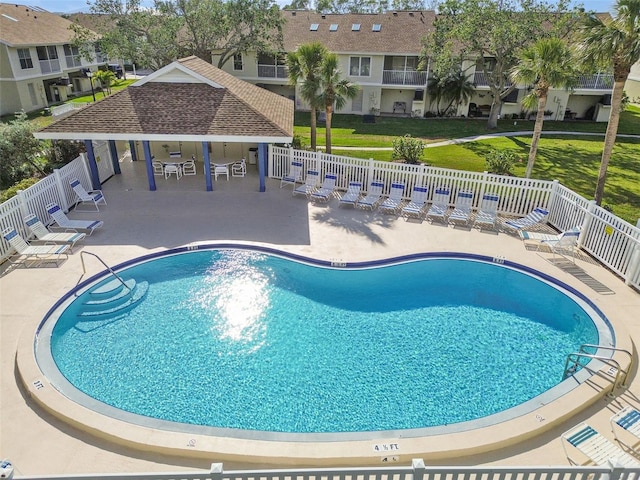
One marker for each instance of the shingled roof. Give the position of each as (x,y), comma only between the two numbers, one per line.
(188,100)
(22,25)
(399,32)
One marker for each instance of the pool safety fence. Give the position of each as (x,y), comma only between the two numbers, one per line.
(607,238)
(416,471)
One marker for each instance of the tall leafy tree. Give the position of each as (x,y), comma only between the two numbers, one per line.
(304,67)
(334,91)
(547,63)
(362,6)
(154,37)
(453,88)
(615,44)
(18,151)
(493,33)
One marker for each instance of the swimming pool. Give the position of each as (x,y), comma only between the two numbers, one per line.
(267,342)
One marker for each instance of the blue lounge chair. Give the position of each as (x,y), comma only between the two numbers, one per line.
(597,448)
(326,190)
(440,205)
(417,204)
(352,195)
(393,202)
(373,197)
(627,420)
(536,216)
(33,254)
(488,213)
(309,186)
(43,234)
(462,208)
(94,197)
(63,222)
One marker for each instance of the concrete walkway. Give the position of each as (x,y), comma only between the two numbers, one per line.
(138,221)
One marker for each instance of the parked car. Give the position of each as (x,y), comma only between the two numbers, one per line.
(117,69)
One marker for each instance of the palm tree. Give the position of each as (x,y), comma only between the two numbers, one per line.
(334,91)
(548,62)
(457,89)
(615,43)
(304,66)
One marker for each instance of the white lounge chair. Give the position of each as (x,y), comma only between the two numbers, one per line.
(93,197)
(310,184)
(488,213)
(293,176)
(34,254)
(393,202)
(462,208)
(373,196)
(417,204)
(627,420)
(43,234)
(562,243)
(537,215)
(62,221)
(326,190)
(239,169)
(440,205)
(597,448)
(352,195)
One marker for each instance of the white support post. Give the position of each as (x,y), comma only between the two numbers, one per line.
(64,204)
(216,471)
(370,171)
(418,467)
(24,210)
(586,223)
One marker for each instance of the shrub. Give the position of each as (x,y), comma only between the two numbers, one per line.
(407,148)
(501,162)
(12,191)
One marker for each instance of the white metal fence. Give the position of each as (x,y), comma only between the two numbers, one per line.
(609,239)
(416,471)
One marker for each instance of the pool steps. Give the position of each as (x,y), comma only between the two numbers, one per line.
(113,298)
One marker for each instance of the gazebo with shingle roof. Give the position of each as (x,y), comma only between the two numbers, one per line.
(189,100)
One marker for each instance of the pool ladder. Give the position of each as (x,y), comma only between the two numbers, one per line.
(114,274)
(572,363)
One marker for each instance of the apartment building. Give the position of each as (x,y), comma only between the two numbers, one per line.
(381,53)
(38,64)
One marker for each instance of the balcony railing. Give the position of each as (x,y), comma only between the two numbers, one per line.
(73,61)
(480,80)
(404,77)
(272,71)
(599,81)
(49,66)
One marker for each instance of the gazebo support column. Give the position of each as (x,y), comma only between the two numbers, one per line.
(262,165)
(132,149)
(93,166)
(207,166)
(147,160)
(113,150)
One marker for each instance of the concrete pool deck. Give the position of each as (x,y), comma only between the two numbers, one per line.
(179,213)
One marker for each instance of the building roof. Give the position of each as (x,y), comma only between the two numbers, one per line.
(188,100)
(399,32)
(23,25)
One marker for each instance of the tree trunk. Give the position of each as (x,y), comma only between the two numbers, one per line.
(537,130)
(313,127)
(610,137)
(328,128)
(496,107)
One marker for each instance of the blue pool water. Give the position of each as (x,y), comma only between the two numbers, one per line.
(244,340)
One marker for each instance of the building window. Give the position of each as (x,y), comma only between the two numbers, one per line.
(99,56)
(237,62)
(48,57)
(355,27)
(72,56)
(376,27)
(333,27)
(25,58)
(360,66)
(314,27)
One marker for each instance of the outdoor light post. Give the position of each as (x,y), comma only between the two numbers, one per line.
(89,75)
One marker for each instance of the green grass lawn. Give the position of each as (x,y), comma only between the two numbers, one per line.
(572,160)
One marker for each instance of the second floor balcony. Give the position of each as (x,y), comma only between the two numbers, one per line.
(272,71)
(50,66)
(404,77)
(599,81)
